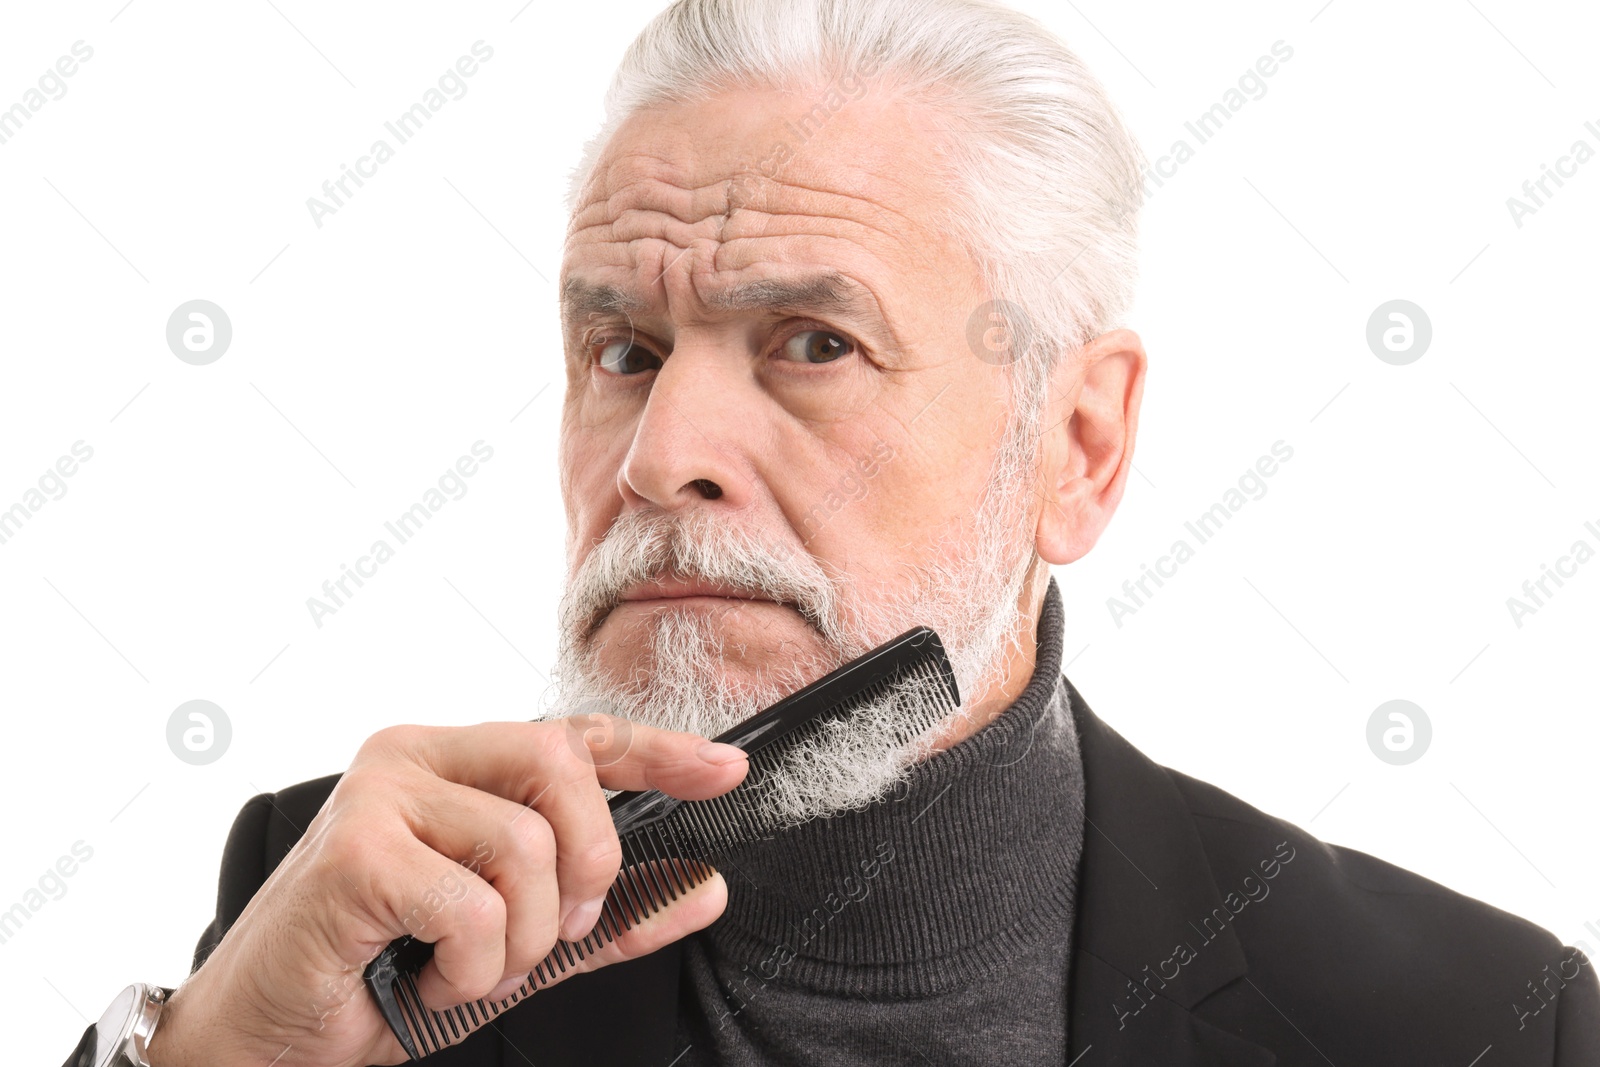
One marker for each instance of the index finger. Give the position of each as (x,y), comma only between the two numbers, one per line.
(520,760)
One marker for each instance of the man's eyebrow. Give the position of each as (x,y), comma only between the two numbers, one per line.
(823,292)
(580,299)
(827,291)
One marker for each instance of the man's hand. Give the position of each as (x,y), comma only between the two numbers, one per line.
(489,841)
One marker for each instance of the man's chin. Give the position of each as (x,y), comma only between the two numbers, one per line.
(741,658)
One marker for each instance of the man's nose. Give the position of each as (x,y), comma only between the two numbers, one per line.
(690,442)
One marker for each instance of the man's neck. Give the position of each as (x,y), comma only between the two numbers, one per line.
(1006,680)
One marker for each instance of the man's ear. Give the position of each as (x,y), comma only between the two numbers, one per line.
(1091,416)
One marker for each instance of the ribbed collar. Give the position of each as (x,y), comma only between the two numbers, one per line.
(972,862)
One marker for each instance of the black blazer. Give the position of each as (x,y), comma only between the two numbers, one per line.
(1207,933)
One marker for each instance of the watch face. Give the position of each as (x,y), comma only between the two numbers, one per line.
(113,1027)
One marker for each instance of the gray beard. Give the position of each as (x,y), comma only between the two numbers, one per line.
(969,593)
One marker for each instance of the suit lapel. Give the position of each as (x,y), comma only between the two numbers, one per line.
(1144,954)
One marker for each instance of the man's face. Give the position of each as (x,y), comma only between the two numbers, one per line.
(769,381)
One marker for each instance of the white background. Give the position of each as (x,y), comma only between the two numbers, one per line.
(370,353)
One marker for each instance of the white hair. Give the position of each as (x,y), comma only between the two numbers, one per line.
(1046,179)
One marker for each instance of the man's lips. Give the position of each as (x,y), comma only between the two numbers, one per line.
(668,589)
(656,594)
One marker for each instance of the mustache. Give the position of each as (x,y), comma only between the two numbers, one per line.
(642,546)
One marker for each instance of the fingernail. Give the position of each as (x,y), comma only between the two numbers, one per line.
(716,752)
(582,919)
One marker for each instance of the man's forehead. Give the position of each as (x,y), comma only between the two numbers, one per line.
(805,251)
(725,206)
(749,163)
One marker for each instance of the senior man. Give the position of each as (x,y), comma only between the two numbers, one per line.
(840,298)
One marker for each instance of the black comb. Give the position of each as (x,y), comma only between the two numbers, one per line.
(667,843)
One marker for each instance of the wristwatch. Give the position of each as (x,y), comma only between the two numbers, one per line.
(122,1036)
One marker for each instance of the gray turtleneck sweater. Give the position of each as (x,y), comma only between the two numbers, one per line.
(932,927)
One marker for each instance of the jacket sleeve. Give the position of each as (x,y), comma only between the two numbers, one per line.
(1578,1016)
(83,1055)
(244,869)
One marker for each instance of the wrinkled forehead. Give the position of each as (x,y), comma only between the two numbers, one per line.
(750,186)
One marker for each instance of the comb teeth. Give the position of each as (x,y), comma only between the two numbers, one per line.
(643,888)
(668,844)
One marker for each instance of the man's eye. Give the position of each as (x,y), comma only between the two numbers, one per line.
(816,346)
(625,357)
